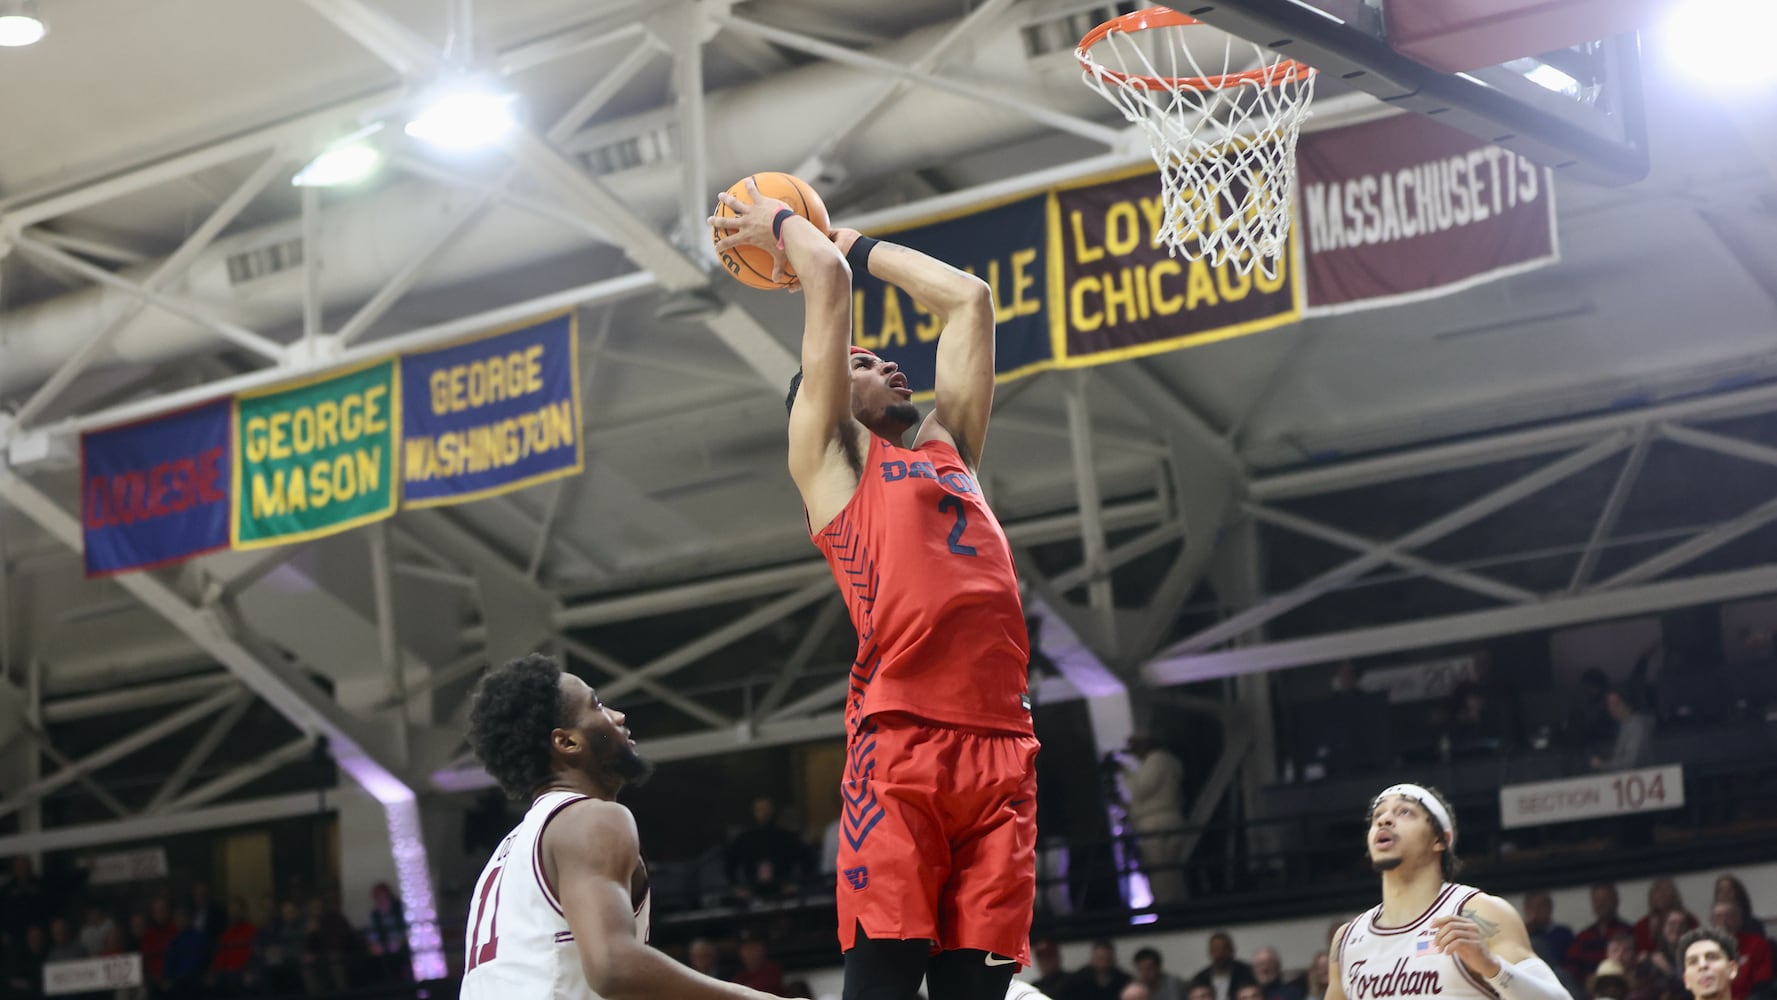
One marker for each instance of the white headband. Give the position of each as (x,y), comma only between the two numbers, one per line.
(1426,800)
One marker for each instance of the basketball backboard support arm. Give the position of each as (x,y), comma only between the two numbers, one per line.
(1601,144)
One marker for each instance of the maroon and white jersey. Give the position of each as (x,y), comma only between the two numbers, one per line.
(1378,962)
(519,944)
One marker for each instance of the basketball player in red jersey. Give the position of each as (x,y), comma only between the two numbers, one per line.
(937,852)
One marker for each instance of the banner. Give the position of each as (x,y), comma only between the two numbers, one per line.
(127,866)
(1403,209)
(1122,296)
(1008,247)
(155,491)
(315,457)
(86,975)
(494,414)
(1617,793)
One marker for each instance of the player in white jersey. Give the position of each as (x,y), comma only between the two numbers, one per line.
(1431,936)
(1711,962)
(561,910)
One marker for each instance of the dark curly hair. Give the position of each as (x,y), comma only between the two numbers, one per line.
(1449,863)
(1729,946)
(516,706)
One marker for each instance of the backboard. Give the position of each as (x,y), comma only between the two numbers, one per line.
(1558,82)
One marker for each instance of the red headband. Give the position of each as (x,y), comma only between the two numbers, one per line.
(855,349)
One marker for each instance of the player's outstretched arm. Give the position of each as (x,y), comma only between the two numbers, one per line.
(592,847)
(823,403)
(1489,938)
(1335,980)
(965,346)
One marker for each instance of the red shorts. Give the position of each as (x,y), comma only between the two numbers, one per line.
(938,836)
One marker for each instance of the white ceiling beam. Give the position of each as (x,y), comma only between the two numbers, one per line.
(250,812)
(200,752)
(353,745)
(78,707)
(387,39)
(1430,531)
(1443,630)
(618,670)
(289,753)
(1606,523)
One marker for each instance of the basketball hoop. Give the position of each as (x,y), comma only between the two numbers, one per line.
(1225,141)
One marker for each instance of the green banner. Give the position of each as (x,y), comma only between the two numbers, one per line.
(316,457)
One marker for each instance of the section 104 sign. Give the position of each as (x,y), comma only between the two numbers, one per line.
(1614,793)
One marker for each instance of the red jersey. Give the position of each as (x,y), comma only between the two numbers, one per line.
(927,576)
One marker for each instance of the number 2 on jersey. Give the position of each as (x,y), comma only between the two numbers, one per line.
(479,950)
(955,506)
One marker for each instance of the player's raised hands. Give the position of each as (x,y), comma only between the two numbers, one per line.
(752,225)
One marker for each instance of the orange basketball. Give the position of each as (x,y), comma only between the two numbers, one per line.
(750,265)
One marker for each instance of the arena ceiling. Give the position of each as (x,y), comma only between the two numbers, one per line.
(676,570)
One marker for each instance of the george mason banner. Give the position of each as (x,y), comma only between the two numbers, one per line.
(1404,208)
(316,457)
(497,413)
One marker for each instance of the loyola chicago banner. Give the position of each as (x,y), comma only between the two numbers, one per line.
(494,414)
(316,457)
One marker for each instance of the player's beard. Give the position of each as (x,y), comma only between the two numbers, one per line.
(1381,865)
(901,414)
(632,767)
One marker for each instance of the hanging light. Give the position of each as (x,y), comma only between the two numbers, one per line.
(351,160)
(19,23)
(463,116)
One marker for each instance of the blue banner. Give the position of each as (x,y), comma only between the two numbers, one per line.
(1006,246)
(157,491)
(490,415)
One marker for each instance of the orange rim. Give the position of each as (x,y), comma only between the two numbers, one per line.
(1285,71)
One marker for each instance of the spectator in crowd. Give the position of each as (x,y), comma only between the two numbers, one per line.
(1610,982)
(1665,956)
(1156,784)
(187,957)
(764,860)
(117,942)
(1730,889)
(207,914)
(234,949)
(828,863)
(1549,940)
(1134,991)
(1051,977)
(97,928)
(1619,958)
(1224,974)
(63,945)
(1200,992)
(703,957)
(278,947)
(1589,945)
(154,937)
(1662,898)
(758,970)
(386,937)
(1634,737)
(22,902)
(1101,979)
(1589,726)
(327,948)
(1250,991)
(1268,975)
(1312,983)
(1755,951)
(1477,724)
(1150,972)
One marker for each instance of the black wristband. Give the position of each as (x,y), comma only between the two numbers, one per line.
(859,254)
(777,224)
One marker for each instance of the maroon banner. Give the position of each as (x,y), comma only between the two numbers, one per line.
(1405,208)
(1122,296)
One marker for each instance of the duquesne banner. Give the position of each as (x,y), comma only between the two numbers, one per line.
(490,415)
(157,490)
(1404,208)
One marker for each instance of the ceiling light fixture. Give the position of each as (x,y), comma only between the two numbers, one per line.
(464,116)
(19,23)
(1700,38)
(351,160)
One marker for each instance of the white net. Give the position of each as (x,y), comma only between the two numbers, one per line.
(1223,134)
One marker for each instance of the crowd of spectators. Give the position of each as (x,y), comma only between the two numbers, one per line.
(194,945)
(1607,959)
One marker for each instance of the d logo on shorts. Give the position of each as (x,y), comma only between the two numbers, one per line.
(858,877)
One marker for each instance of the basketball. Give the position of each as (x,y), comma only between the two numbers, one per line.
(750,265)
